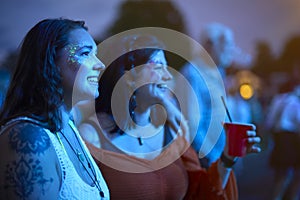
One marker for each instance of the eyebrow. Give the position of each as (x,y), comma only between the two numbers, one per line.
(90,47)
(85,46)
(156,62)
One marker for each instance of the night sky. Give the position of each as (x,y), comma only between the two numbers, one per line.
(271,20)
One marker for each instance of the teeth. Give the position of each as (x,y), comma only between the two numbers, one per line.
(93,79)
(162,85)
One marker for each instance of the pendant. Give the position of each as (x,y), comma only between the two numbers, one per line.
(140,141)
(80,156)
(101,194)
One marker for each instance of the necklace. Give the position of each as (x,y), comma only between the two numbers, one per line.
(143,133)
(141,142)
(81,157)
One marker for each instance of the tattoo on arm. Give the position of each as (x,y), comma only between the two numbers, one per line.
(28,138)
(25,173)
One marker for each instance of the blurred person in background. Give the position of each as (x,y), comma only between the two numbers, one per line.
(206,79)
(283,122)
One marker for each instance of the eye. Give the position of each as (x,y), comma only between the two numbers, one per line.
(158,67)
(85,53)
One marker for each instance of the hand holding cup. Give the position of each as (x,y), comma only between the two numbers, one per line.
(241,139)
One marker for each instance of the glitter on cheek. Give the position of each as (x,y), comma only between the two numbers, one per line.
(72,58)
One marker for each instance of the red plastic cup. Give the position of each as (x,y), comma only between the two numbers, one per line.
(237,138)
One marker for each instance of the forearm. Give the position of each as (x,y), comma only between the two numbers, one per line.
(225,165)
(224,174)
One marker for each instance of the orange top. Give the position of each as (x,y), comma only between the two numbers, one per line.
(183,178)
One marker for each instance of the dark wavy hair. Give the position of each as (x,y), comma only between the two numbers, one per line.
(115,71)
(36,86)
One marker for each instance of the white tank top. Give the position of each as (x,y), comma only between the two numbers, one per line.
(73,187)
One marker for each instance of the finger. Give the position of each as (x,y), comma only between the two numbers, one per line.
(251,133)
(253,140)
(181,126)
(184,127)
(253,127)
(254,149)
(180,132)
(173,125)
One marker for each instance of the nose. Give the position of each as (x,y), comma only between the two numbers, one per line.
(98,65)
(167,75)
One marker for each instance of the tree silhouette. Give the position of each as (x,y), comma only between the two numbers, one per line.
(149,13)
(264,63)
(289,60)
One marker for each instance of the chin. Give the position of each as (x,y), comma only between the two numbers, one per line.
(96,94)
(92,92)
(90,95)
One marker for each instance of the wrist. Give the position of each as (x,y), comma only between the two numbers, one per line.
(227,161)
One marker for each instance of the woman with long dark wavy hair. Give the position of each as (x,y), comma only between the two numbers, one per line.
(42,154)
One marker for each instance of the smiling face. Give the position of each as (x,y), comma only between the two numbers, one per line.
(80,68)
(156,73)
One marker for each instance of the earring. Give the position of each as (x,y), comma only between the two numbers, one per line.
(132,107)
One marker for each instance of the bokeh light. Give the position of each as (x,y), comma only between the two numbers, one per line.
(246,91)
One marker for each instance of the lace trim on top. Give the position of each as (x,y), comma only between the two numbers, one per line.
(73,187)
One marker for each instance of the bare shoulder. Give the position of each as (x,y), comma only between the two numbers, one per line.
(88,131)
(29,165)
(26,138)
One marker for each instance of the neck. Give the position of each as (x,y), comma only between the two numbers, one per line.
(142,116)
(65,112)
(142,112)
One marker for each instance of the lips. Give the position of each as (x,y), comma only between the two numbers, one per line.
(93,80)
(163,87)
